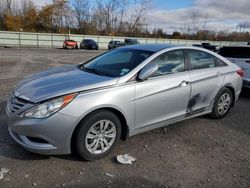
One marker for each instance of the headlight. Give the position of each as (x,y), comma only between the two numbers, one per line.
(49,107)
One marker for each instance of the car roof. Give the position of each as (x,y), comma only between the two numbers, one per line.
(150,47)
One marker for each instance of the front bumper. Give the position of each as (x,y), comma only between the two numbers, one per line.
(50,136)
(92,47)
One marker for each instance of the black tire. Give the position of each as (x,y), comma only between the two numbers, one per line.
(76,47)
(85,126)
(215,113)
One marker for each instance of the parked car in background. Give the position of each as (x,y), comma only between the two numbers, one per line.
(89,44)
(211,47)
(123,92)
(239,55)
(70,44)
(197,45)
(130,42)
(114,44)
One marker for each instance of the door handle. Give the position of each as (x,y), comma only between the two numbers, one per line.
(219,73)
(183,84)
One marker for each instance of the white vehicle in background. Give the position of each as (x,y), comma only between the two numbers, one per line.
(239,55)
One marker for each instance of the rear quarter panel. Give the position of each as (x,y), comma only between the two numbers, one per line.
(232,79)
(241,62)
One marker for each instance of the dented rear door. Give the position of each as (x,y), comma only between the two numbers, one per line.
(206,80)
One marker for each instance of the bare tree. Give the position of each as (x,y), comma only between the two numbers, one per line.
(138,17)
(194,19)
(1,15)
(9,5)
(109,15)
(205,23)
(1,10)
(25,5)
(62,17)
(6,6)
(81,9)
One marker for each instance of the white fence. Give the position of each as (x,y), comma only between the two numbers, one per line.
(53,40)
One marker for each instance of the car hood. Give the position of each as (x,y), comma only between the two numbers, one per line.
(59,81)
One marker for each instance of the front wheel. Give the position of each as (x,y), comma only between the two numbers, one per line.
(222,104)
(97,135)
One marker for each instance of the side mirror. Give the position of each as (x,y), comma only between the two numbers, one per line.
(147,71)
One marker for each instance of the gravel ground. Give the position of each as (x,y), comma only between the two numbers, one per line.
(196,153)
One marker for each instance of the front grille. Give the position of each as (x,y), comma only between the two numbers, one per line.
(16,103)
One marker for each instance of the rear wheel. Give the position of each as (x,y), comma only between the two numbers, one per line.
(222,104)
(98,135)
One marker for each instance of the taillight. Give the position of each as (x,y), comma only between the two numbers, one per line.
(240,72)
(248,61)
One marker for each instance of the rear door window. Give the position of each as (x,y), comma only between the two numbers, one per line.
(219,63)
(200,59)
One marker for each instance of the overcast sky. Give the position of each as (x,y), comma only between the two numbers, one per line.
(222,15)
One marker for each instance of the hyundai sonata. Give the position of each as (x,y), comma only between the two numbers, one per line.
(123,92)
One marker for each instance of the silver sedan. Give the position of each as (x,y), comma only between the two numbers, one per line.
(118,94)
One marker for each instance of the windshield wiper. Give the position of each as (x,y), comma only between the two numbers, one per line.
(88,69)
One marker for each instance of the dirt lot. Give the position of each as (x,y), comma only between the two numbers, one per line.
(196,153)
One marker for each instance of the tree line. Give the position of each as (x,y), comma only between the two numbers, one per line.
(101,17)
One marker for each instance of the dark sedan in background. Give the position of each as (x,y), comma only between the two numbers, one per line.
(89,44)
(208,46)
(211,47)
(130,42)
(114,44)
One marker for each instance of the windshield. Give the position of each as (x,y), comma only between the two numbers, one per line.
(116,63)
(131,41)
(69,41)
(90,41)
(134,42)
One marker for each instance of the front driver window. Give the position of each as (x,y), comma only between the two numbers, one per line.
(170,62)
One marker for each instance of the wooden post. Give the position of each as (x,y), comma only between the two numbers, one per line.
(19,39)
(52,43)
(37,40)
